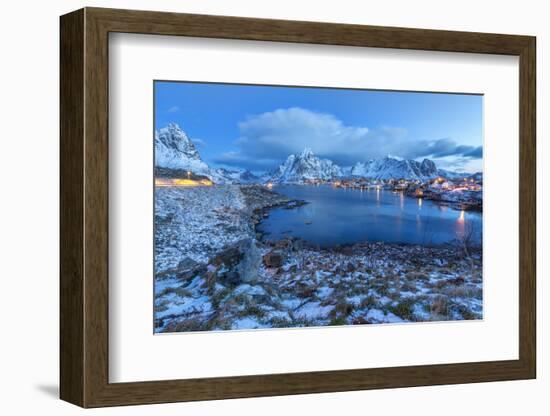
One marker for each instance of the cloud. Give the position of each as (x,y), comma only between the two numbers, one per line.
(476,153)
(448,147)
(173,109)
(267,139)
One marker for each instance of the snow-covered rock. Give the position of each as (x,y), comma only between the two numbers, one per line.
(174,150)
(305,166)
(393,168)
(477,177)
(459,176)
(233,176)
(428,168)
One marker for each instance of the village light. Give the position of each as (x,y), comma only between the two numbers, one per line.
(182,182)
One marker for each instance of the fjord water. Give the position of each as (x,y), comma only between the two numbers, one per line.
(337,216)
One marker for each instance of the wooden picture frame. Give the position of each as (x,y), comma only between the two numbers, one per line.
(84,207)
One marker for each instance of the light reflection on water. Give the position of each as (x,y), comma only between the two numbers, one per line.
(346,216)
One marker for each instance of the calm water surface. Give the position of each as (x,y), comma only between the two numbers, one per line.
(346,216)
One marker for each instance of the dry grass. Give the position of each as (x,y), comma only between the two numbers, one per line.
(439,306)
(464,291)
(417,276)
(404,309)
(189,324)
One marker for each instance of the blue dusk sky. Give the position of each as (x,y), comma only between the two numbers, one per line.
(257,127)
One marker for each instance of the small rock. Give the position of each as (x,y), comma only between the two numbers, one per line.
(199,270)
(359,321)
(457,281)
(229,257)
(210,280)
(283,244)
(186,263)
(273,259)
(297,245)
(346,250)
(231,278)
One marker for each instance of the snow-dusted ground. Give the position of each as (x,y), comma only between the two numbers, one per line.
(194,223)
(210,274)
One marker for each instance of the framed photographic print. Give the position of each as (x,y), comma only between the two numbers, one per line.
(255,207)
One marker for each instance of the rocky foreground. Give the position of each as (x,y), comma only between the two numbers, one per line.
(213,273)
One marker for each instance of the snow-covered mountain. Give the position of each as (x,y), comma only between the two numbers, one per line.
(452,175)
(459,176)
(223,175)
(478,177)
(305,166)
(174,150)
(393,168)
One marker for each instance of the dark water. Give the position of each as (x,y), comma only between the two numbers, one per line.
(346,216)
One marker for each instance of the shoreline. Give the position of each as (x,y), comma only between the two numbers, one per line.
(262,213)
(435,198)
(247,283)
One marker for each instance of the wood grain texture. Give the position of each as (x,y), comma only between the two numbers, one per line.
(71,185)
(527,207)
(84,207)
(162,23)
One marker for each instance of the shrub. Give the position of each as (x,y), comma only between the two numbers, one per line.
(439,306)
(341,320)
(368,302)
(417,276)
(186,325)
(466,313)
(404,309)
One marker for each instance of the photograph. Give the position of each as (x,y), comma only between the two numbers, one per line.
(299,206)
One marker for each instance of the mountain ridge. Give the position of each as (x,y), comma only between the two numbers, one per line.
(175,150)
(393,168)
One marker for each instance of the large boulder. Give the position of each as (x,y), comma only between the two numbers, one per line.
(238,263)
(250,262)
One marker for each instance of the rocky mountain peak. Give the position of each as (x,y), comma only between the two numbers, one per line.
(175,150)
(307,153)
(173,137)
(428,167)
(305,166)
